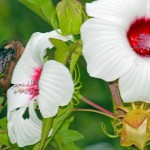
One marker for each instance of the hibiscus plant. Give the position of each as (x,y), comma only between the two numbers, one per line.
(42,82)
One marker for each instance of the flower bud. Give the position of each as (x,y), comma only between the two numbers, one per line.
(136,128)
(70,16)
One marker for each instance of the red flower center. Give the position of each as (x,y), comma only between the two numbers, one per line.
(139,36)
(33,88)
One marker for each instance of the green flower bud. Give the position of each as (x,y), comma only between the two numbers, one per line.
(70,16)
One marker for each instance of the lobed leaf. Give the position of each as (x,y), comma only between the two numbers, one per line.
(67,137)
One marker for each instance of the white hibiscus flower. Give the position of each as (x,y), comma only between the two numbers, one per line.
(116,45)
(48,84)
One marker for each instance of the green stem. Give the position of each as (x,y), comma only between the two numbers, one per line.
(95,111)
(47,124)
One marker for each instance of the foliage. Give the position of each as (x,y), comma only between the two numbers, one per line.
(66,137)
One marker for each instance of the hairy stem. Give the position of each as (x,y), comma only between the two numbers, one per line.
(95,111)
(116,97)
(105,111)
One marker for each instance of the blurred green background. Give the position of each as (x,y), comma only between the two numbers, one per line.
(18,23)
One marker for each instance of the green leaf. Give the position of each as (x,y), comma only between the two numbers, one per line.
(59,44)
(66,137)
(4,140)
(44,8)
(58,120)
(62,50)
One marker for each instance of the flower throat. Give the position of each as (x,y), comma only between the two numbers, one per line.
(32,87)
(139,36)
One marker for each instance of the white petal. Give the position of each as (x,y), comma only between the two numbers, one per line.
(16,99)
(106,49)
(33,56)
(148,9)
(134,85)
(121,12)
(55,88)
(24,131)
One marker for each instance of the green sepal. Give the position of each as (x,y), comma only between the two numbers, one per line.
(44,8)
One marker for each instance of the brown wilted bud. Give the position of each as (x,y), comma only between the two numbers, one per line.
(9,64)
(17,47)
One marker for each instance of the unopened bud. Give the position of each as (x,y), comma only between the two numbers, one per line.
(70,16)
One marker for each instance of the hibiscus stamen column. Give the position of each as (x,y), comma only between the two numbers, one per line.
(139,36)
